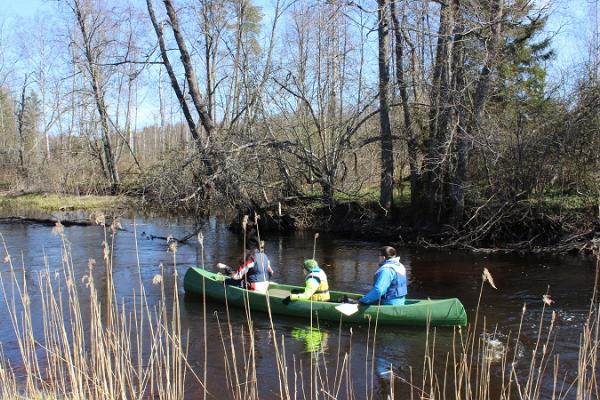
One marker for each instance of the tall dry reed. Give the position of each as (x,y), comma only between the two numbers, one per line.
(87,343)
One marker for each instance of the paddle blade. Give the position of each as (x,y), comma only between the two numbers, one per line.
(347,309)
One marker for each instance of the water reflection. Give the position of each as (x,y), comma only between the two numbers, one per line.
(314,339)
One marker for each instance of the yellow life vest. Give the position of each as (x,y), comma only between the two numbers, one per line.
(322,293)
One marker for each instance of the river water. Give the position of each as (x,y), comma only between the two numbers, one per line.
(350,265)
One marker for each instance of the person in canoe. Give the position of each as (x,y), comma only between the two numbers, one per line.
(389,286)
(316,286)
(254,273)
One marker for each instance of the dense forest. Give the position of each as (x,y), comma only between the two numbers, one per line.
(429,121)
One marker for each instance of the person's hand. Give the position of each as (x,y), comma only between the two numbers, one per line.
(287,300)
(224,268)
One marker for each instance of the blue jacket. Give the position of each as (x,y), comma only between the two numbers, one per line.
(390,284)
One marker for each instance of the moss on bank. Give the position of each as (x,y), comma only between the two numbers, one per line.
(55,202)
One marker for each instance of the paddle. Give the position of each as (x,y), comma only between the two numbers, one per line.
(347,309)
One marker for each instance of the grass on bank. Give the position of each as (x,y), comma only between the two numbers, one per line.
(141,352)
(551,199)
(55,202)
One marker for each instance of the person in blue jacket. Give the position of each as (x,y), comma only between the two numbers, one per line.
(389,286)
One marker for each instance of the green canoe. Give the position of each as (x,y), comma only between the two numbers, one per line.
(446,312)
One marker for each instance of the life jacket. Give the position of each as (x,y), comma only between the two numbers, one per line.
(322,293)
(397,288)
(259,271)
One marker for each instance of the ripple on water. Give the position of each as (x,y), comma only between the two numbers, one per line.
(497,346)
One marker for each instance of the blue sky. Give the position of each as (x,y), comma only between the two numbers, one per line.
(25,8)
(568,24)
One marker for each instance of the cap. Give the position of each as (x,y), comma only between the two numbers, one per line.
(310,264)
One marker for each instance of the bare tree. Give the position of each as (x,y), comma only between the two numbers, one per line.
(91,29)
(387,148)
(21,135)
(320,98)
(409,126)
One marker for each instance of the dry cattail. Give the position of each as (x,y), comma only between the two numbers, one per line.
(547,300)
(487,277)
(106,251)
(91,263)
(7,259)
(100,219)
(58,229)
(157,279)
(116,225)
(201,238)
(317,235)
(244,222)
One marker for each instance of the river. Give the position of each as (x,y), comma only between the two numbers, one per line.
(350,265)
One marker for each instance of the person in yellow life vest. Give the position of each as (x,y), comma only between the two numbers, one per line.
(316,286)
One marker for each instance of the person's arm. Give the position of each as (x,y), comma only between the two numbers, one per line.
(382,282)
(243,269)
(311,287)
(270,271)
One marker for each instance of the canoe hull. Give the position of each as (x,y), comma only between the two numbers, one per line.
(447,312)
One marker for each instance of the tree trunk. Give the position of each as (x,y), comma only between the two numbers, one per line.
(190,75)
(387,150)
(440,115)
(408,124)
(173,79)
(465,137)
(21,130)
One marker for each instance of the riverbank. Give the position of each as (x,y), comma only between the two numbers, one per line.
(49,202)
(520,227)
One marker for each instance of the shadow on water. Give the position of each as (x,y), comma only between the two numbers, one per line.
(349,264)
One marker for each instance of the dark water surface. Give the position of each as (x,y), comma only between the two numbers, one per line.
(350,265)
